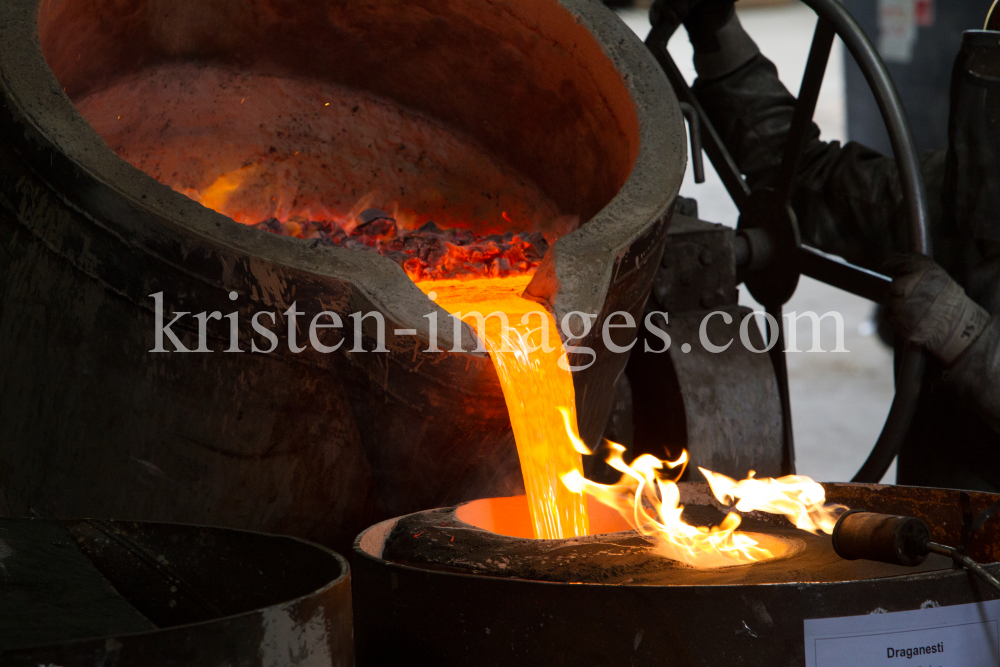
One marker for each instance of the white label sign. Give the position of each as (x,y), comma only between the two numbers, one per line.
(965,635)
(897,30)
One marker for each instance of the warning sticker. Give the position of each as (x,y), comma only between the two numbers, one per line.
(959,636)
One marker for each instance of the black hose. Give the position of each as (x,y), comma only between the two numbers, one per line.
(966,562)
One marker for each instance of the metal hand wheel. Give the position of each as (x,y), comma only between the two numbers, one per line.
(769,246)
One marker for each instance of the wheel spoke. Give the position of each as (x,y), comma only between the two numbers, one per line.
(897,424)
(779,362)
(712,143)
(812,82)
(862,282)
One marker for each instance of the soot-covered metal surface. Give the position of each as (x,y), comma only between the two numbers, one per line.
(79,593)
(424,539)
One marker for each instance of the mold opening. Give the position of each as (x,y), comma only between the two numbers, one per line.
(510,517)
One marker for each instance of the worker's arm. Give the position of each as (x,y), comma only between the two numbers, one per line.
(928,307)
(848,199)
(976,374)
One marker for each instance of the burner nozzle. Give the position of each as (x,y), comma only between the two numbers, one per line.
(898,540)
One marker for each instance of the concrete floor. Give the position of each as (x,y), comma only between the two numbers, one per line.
(839,400)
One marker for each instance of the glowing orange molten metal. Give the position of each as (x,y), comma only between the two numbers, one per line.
(535,388)
(523,342)
(541,402)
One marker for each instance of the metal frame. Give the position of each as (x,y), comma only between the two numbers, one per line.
(769,226)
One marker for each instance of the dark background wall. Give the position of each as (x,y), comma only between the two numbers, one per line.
(923,82)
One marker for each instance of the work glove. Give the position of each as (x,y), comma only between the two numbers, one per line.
(927,307)
(721,46)
(670,14)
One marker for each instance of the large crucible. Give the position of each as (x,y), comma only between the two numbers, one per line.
(123,125)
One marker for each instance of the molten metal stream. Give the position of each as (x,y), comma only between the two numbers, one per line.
(523,341)
(540,399)
(535,388)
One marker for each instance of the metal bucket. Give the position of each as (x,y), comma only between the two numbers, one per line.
(88,592)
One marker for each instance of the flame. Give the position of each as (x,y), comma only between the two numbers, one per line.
(541,402)
(270,188)
(253,194)
(649,499)
(799,499)
(218,193)
(540,397)
(516,332)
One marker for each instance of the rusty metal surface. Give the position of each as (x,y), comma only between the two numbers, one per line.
(487,620)
(941,508)
(84,593)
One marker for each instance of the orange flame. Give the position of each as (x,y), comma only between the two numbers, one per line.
(218,193)
(541,403)
(799,499)
(649,499)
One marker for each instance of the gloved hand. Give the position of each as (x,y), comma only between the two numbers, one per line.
(672,13)
(927,307)
(720,44)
